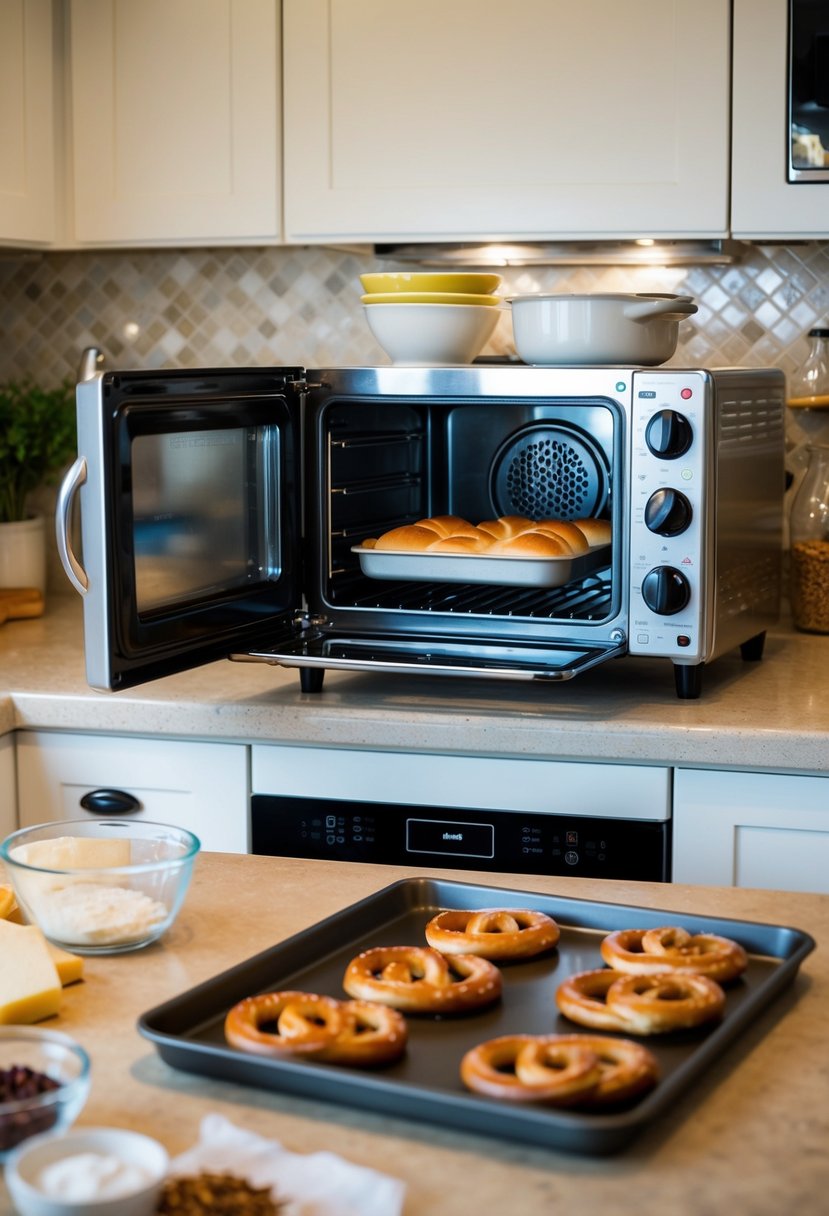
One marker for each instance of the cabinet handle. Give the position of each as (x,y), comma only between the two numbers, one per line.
(110,802)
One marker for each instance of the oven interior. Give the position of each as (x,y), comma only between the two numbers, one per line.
(384,463)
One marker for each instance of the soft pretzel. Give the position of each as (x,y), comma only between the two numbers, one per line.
(655,1004)
(417,979)
(559,1070)
(650,951)
(301,1023)
(493,933)
(291,1023)
(640,1004)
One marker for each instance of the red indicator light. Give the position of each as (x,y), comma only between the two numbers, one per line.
(685,393)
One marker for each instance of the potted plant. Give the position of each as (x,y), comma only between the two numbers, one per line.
(37,439)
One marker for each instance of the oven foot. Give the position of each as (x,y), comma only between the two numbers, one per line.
(688,680)
(752,650)
(310,678)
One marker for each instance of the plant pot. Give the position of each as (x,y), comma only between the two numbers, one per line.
(23,553)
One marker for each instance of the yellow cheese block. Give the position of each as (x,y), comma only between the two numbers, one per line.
(29,981)
(69,966)
(74,853)
(7,901)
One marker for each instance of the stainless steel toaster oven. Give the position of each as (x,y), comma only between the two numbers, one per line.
(223,513)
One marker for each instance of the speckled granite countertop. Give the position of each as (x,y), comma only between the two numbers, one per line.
(772,715)
(749,1138)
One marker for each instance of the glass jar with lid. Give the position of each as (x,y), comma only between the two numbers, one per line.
(809,538)
(809,386)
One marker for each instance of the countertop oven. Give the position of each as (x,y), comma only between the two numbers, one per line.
(222,514)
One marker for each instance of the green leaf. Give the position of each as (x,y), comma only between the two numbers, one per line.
(37,440)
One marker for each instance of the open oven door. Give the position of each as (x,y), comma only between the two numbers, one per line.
(189,491)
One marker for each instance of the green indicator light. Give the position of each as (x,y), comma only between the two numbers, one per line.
(620,386)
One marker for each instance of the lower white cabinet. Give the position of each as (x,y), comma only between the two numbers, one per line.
(8,793)
(200,786)
(751,830)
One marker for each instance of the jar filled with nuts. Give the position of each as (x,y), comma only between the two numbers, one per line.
(809,531)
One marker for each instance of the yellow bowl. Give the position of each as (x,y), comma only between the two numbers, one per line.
(428,297)
(468,282)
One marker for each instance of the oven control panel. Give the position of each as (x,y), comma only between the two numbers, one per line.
(510,841)
(669,425)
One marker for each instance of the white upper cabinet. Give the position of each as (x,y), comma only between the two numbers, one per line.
(764,203)
(27,154)
(175,121)
(534,118)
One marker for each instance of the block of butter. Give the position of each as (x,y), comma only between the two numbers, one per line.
(73,853)
(29,982)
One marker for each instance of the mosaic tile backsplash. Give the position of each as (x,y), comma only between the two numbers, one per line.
(259,306)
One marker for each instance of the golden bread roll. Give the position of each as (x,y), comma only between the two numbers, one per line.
(410,538)
(445,525)
(461,544)
(506,526)
(369,543)
(532,544)
(570,532)
(597,531)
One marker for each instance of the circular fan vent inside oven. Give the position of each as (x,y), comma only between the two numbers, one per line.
(549,471)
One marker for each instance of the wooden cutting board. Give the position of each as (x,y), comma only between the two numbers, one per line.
(17,602)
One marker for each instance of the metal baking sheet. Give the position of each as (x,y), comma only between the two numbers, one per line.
(188,1030)
(478,568)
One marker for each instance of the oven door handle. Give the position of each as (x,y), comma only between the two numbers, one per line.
(71,484)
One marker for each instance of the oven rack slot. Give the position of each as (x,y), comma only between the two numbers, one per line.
(375,485)
(375,439)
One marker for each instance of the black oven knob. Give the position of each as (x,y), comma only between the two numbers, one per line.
(668,513)
(668,434)
(665,590)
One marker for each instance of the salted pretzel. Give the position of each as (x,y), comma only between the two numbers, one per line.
(290,1023)
(640,1004)
(559,1070)
(284,1023)
(650,951)
(417,979)
(493,933)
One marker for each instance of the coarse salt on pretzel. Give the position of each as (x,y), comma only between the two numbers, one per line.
(656,1004)
(650,951)
(303,1023)
(417,979)
(560,1070)
(493,933)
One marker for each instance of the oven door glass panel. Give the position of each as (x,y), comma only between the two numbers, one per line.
(808,91)
(189,523)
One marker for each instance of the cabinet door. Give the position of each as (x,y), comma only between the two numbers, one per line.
(8,786)
(199,786)
(751,830)
(413,118)
(27,154)
(763,202)
(175,120)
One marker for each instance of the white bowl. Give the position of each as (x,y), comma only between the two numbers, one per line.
(26,1164)
(100,886)
(431,335)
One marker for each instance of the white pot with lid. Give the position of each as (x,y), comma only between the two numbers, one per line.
(598,329)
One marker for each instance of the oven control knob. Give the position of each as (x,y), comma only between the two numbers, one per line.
(668,434)
(668,513)
(665,590)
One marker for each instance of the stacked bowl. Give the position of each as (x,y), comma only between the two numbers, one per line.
(436,319)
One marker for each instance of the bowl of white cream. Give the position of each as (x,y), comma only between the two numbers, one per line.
(100,886)
(102,1171)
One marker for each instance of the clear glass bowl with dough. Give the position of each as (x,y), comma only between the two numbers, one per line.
(100,886)
(49,1073)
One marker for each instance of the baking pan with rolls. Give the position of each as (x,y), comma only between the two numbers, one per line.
(511,550)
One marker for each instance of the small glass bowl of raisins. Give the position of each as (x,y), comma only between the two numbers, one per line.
(44,1083)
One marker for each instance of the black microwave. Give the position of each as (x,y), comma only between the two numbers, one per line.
(808,91)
